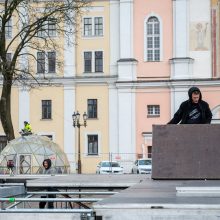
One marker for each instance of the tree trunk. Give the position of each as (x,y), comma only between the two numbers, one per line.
(5,109)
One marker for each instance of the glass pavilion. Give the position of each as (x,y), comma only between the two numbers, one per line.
(25,155)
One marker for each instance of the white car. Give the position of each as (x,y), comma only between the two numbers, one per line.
(142,166)
(109,167)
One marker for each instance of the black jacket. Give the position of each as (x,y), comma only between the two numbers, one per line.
(182,114)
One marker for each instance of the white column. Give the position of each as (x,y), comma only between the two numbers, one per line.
(126,63)
(126,29)
(126,123)
(24,96)
(127,69)
(114,36)
(69,61)
(69,131)
(180,25)
(23,20)
(24,106)
(69,52)
(113,119)
(181,63)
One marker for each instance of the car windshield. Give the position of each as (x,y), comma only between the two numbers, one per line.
(144,162)
(110,164)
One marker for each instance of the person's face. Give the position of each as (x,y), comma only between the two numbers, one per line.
(195,98)
(45,164)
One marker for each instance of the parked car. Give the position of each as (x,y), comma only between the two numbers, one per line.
(109,167)
(142,166)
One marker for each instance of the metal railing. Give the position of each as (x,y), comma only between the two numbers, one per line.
(71,193)
(16,201)
(15,204)
(10,200)
(81,211)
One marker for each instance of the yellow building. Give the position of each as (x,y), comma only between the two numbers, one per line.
(81,84)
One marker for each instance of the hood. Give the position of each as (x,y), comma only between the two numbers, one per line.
(193,89)
(49,163)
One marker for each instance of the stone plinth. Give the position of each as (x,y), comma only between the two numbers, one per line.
(186,151)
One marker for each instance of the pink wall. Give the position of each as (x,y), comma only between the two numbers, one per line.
(146,97)
(142,9)
(146,71)
(210,95)
(161,96)
(158,96)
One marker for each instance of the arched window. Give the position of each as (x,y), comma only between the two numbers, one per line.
(153,39)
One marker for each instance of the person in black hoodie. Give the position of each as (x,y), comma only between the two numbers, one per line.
(193,111)
(48,170)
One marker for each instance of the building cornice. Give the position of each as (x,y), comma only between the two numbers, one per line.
(167,83)
(112,80)
(66,81)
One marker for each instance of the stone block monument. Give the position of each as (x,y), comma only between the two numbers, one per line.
(186,151)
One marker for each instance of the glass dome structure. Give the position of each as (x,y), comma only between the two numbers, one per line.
(25,155)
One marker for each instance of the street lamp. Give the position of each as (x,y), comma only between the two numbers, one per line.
(76,123)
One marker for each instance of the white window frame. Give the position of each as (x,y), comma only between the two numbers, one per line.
(45,31)
(84,27)
(84,69)
(37,62)
(93,108)
(86,144)
(93,61)
(145,37)
(42,118)
(154,111)
(98,35)
(93,27)
(102,61)
(53,134)
(47,63)
(11,54)
(55,34)
(9,21)
(7,36)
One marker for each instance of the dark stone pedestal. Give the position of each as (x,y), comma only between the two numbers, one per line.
(186,151)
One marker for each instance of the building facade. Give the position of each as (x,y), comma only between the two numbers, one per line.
(130,67)
(180,37)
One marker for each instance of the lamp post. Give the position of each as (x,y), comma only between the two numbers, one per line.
(76,123)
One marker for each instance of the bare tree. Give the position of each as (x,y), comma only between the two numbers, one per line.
(33,23)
